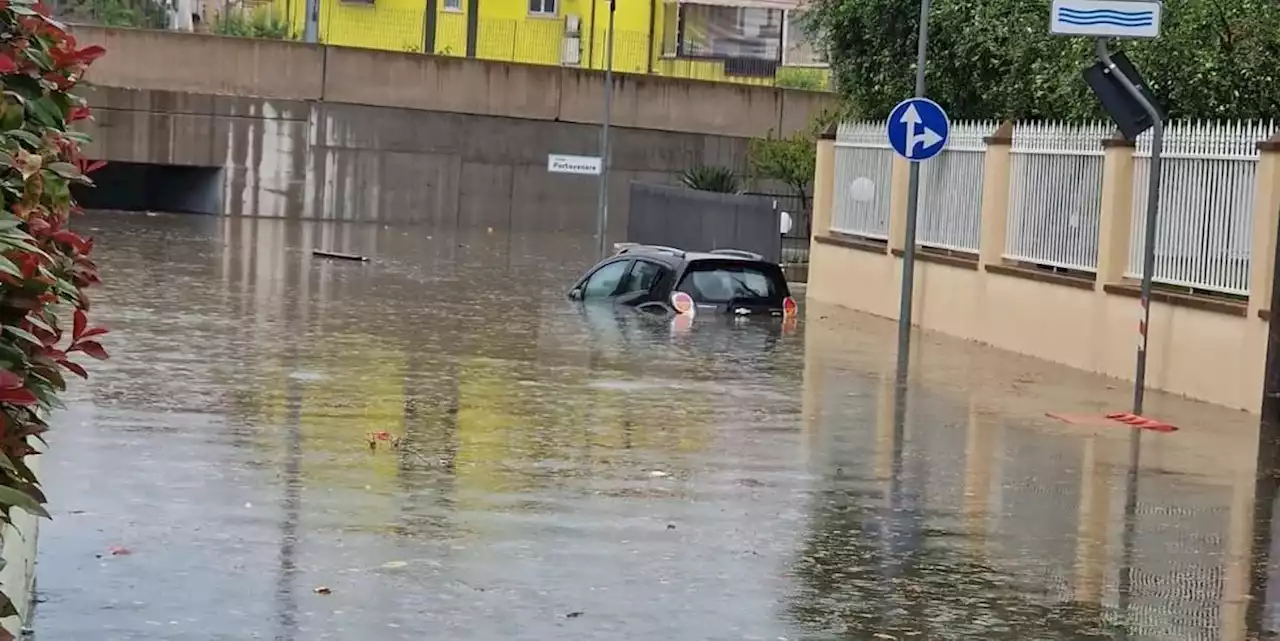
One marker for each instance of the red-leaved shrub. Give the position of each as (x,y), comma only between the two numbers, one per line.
(44,266)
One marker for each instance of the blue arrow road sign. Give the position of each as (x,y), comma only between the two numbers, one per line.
(918,129)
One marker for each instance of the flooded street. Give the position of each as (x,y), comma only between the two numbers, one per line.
(562,474)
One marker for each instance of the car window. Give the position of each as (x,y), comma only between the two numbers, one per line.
(724,282)
(604,281)
(643,276)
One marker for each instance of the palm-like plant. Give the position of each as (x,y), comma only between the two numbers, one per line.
(718,179)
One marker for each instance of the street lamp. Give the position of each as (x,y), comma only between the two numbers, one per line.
(602,212)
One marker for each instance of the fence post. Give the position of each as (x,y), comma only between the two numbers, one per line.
(995,195)
(1266,202)
(1115,217)
(824,182)
(899,185)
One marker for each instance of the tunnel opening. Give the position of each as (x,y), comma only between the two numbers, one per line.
(136,186)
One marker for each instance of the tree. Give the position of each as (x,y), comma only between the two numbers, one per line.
(996,59)
(789,161)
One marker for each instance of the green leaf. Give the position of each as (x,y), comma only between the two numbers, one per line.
(48,398)
(46,112)
(24,472)
(9,352)
(7,608)
(52,377)
(23,334)
(9,267)
(65,169)
(41,58)
(79,136)
(25,136)
(7,465)
(23,11)
(18,498)
(11,222)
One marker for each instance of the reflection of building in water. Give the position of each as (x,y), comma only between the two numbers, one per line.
(1026,522)
(521,421)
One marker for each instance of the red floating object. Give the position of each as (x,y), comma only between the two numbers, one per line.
(1124,418)
(1141,422)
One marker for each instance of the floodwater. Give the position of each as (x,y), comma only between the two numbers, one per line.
(586,476)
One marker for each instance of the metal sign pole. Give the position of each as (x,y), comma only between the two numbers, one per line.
(311,27)
(1153,207)
(602,216)
(913,203)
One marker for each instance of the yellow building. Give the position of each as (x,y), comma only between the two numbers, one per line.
(748,41)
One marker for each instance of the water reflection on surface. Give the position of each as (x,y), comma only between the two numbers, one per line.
(586,475)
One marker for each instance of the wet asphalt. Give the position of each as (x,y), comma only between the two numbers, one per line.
(541,471)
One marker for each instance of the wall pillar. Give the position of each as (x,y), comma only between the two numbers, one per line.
(1266,202)
(900,184)
(1115,226)
(995,195)
(824,182)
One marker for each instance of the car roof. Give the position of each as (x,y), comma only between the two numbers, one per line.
(673,256)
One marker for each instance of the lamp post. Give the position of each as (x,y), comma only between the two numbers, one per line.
(602,212)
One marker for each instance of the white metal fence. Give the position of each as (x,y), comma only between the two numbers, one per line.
(863,180)
(1055,194)
(1204,231)
(951,190)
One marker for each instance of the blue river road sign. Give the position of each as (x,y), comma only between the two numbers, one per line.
(918,129)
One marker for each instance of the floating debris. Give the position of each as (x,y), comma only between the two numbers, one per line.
(339,255)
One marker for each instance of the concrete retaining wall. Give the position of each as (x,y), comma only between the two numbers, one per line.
(18,578)
(317,160)
(307,131)
(216,65)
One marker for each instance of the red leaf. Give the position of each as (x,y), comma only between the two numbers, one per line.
(90,53)
(93,348)
(74,368)
(7,65)
(66,236)
(9,380)
(91,332)
(77,329)
(93,166)
(20,396)
(47,338)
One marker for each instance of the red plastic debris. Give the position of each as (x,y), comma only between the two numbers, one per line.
(1141,422)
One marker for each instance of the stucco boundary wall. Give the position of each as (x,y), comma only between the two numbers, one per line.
(249,67)
(1204,347)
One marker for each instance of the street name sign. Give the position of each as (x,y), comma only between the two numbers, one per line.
(581,165)
(918,129)
(1106,18)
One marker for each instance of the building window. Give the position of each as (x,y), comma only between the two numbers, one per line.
(542,7)
(670,29)
(713,31)
(453,5)
(799,45)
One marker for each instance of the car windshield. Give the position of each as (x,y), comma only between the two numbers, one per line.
(720,282)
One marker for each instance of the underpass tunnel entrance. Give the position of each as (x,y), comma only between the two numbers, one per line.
(134,186)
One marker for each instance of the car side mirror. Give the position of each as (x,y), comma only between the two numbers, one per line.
(575,294)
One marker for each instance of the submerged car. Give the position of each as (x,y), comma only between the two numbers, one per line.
(666,280)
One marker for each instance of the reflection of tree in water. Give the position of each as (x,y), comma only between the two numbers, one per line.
(852,585)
